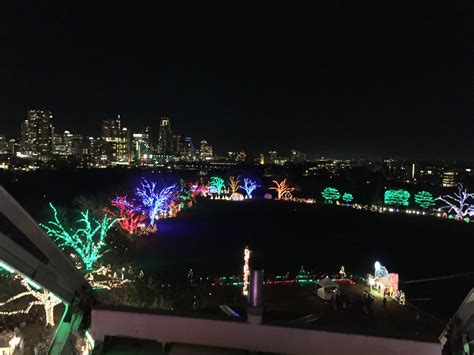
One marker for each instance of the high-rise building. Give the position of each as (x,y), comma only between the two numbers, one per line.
(261,159)
(297,157)
(187,149)
(241,156)
(205,151)
(448,179)
(164,137)
(141,146)
(37,134)
(118,138)
(272,156)
(73,144)
(58,144)
(3,145)
(175,146)
(13,146)
(97,152)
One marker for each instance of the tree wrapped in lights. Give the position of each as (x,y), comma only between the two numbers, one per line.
(249,186)
(283,190)
(42,298)
(185,192)
(330,194)
(424,199)
(128,218)
(396,197)
(461,203)
(217,184)
(347,197)
(88,240)
(153,200)
(234,183)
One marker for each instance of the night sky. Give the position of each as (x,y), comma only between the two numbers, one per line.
(342,79)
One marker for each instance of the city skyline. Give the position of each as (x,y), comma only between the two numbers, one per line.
(345,80)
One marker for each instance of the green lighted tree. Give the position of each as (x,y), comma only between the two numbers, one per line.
(330,194)
(88,240)
(218,184)
(424,199)
(347,197)
(396,197)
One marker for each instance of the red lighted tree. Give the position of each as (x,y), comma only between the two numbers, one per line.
(128,218)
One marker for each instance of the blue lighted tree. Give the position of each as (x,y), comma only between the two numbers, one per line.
(249,187)
(153,200)
(217,184)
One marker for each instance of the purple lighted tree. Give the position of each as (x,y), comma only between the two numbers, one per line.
(249,186)
(153,200)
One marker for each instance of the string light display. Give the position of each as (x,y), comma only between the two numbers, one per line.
(88,240)
(216,184)
(461,203)
(283,190)
(396,197)
(424,199)
(105,278)
(234,183)
(42,298)
(249,186)
(153,200)
(128,218)
(246,276)
(347,197)
(330,194)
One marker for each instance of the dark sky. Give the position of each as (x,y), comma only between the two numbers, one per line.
(339,79)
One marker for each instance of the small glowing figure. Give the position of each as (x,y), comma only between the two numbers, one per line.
(342,272)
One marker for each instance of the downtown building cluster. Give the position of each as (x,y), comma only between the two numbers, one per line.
(41,144)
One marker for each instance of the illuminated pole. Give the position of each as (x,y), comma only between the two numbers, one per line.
(245,287)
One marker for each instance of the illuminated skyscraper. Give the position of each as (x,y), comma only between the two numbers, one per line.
(119,139)
(205,151)
(141,147)
(187,149)
(3,144)
(164,137)
(73,144)
(448,179)
(175,146)
(37,134)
